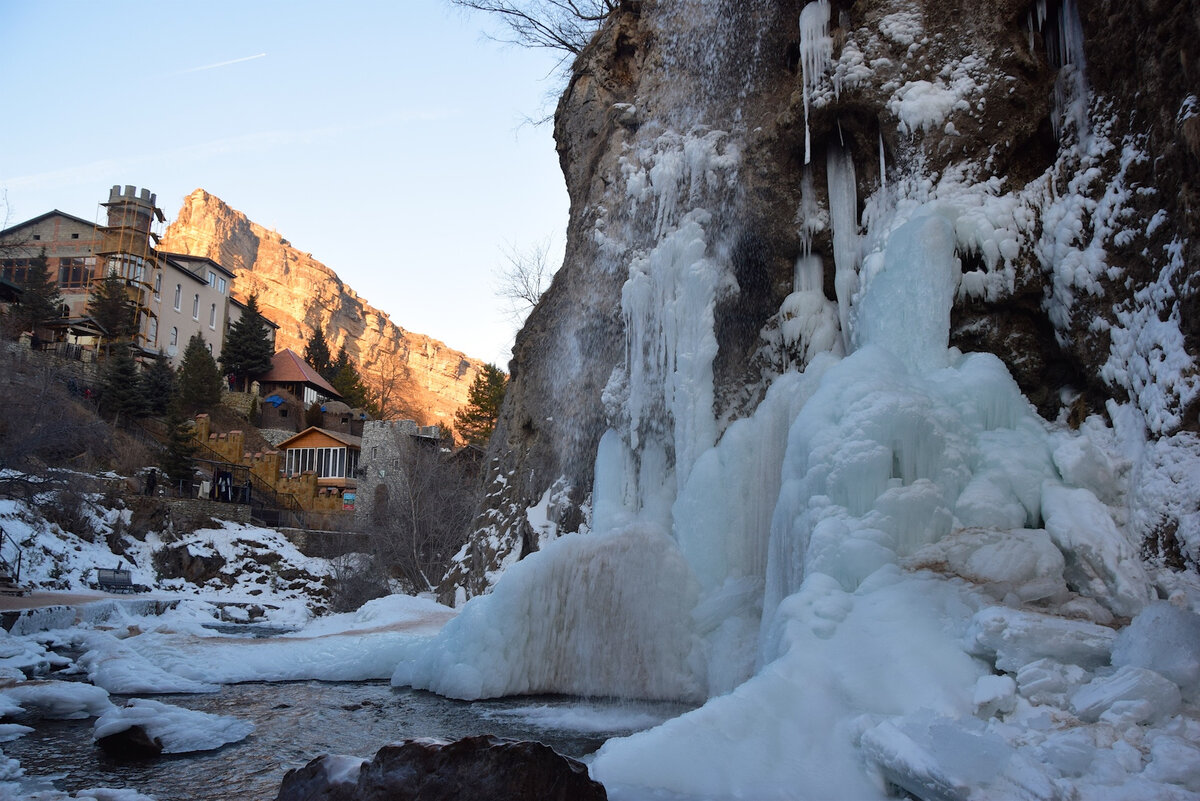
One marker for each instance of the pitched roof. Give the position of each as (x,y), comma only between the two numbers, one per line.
(287,367)
(348,440)
(41,217)
(182,260)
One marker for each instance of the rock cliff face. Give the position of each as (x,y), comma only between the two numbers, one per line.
(426,380)
(1068,142)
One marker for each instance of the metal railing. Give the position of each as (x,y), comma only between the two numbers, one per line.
(11,556)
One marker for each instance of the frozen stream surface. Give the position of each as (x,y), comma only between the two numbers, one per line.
(297,721)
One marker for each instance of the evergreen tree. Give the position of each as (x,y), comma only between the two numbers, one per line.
(110,306)
(316,352)
(199,378)
(121,385)
(41,301)
(158,385)
(247,350)
(177,458)
(476,421)
(350,386)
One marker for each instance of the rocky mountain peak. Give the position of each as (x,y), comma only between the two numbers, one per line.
(297,292)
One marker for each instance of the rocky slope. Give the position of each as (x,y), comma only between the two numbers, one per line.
(1073,138)
(427,380)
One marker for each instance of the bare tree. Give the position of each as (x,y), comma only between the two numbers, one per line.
(565,25)
(524,278)
(386,380)
(419,519)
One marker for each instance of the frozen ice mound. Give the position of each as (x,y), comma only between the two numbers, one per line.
(1165,639)
(1130,695)
(1023,563)
(1013,638)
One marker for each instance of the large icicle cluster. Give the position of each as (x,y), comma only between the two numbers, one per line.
(892,571)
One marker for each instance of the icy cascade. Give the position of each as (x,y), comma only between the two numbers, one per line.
(816,55)
(843,218)
(1062,32)
(903,453)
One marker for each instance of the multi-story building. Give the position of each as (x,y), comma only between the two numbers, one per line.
(191,298)
(176,295)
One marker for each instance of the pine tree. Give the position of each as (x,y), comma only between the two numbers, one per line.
(316,352)
(177,459)
(158,385)
(121,385)
(199,378)
(350,386)
(476,421)
(41,301)
(110,307)
(247,350)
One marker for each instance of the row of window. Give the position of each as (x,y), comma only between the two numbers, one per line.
(325,462)
(73,271)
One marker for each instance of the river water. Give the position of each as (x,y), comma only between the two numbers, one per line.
(298,721)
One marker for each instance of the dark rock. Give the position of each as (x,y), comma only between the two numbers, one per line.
(482,767)
(131,744)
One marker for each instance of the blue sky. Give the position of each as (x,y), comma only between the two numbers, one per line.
(389,139)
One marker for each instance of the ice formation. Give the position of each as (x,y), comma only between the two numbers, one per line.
(892,571)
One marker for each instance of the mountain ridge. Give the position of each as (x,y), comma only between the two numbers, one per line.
(419,376)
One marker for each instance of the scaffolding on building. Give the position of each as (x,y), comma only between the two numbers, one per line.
(127,249)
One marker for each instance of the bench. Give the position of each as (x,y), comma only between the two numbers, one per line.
(111,580)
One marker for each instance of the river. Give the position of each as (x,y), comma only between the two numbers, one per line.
(297,721)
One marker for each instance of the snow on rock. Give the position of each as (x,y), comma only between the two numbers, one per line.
(59,700)
(179,730)
(1101,562)
(1013,638)
(1165,639)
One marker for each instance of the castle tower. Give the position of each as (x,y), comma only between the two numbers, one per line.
(127,249)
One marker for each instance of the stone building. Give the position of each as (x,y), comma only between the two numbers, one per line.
(385,450)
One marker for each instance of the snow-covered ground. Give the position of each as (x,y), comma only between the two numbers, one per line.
(123,647)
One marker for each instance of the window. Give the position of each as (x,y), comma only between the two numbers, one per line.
(174,336)
(196,307)
(74,236)
(152,331)
(212,316)
(158,287)
(212,278)
(325,462)
(221,286)
(73,271)
(37,237)
(178,295)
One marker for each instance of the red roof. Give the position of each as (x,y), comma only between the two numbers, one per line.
(288,368)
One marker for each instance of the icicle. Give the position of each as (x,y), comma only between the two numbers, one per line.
(843,217)
(808,217)
(882,164)
(816,54)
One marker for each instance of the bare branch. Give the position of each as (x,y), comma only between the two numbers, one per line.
(524,279)
(566,25)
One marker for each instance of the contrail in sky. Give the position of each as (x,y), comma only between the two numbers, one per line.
(221,64)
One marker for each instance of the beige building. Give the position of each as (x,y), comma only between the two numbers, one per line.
(177,295)
(190,296)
